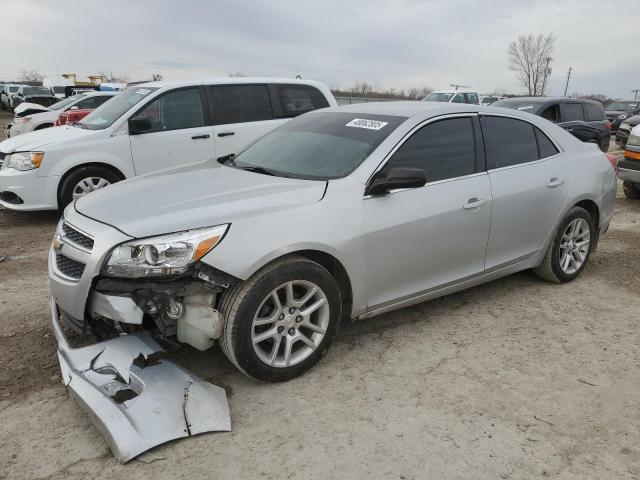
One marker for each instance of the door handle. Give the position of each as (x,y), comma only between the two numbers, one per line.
(474,204)
(200,137)
(226,134)
(555,182)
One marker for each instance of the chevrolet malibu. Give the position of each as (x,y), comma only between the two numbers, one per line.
(343,213)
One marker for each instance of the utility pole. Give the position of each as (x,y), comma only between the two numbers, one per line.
(546,72)
(635,93)
(567,84)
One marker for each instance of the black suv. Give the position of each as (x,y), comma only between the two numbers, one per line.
(584,119)
(620,110)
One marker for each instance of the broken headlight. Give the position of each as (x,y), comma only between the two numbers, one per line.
(163,255)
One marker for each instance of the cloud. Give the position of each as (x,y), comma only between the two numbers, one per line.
(395,43)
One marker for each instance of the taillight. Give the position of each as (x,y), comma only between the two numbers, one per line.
(609,125)
(612,160)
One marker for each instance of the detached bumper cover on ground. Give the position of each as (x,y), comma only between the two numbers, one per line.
(135,398)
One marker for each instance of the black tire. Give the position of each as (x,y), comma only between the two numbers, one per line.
(550,268)
(240,304)
(631,190)
(65,191)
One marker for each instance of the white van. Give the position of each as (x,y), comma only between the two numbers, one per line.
(453,96)
(145,128)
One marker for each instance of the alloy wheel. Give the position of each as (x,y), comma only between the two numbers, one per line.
(574,246)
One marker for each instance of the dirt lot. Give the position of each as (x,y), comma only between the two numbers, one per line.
(514,379)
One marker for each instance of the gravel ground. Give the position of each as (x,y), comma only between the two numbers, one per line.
(514,379)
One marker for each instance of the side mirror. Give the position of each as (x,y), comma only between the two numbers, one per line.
(398,177)
(139,125)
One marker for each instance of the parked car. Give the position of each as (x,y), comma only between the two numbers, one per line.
(339,214)
(146,128)
(487,100)
(619,111)
(56,85)
(629,166)
(30,117)
(453,96)
(624,130)
(6,96)
(584,119)
(72,116)
(37,95)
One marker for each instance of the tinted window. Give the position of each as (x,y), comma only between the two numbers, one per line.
(175,110)
(473,98)
(546,148)
(444,149)
(571,112)
(459,98)
(320,145)
(508,141)
(92,102)
(240,103)
(594,113)
(297,99)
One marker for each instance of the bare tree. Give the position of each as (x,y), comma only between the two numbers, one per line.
(237,74)
(362,88)
(31,76)
(528,58)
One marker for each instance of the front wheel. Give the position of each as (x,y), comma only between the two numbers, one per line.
(85,180)
(280,322)
(631,190)
(570,248)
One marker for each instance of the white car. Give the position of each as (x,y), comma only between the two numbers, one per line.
(453,96)
(486,100)
(146,128)
(30,116)
(9,91)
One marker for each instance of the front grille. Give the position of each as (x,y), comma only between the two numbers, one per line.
(74,236)
(69,267)
(2,155)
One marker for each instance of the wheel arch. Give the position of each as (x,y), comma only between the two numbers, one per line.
(43,125)
(75,168)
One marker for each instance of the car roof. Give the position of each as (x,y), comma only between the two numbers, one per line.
(460,90)
(422,109)
(541,100)
(227,81)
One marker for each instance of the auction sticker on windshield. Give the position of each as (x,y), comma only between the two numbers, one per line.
(368,124)
(142,91)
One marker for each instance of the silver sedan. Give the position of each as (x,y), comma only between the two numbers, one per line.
(343,213)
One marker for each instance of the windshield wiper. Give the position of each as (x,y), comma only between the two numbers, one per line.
(78,124)
(262,170)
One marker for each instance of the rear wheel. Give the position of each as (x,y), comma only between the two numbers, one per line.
(631,190)
(85,180)
(570,248)
(281,322)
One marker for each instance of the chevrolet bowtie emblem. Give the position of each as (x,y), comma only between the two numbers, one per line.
(57,242)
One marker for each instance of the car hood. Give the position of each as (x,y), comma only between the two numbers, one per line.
(195,196)
(633,121)
(40,138)
(30,106)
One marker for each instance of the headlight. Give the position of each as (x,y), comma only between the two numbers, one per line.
(634,140)
(22,120)
(24,160)
(162,255)
(622,116)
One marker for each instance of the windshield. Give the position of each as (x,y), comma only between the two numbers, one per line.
(13,88)
(318,146)
(523,105)
(109,112)
(622,106)
(66,102)
(438,97)
(35,91)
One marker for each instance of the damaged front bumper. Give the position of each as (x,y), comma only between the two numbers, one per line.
(137,399)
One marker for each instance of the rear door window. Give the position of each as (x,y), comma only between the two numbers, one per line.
(571,112)
(546,148)
(508,141)
(297,99)
(240,103)
(593,113)
(472,98)
(443,149)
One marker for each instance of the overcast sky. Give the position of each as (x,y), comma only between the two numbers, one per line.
(392,43)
